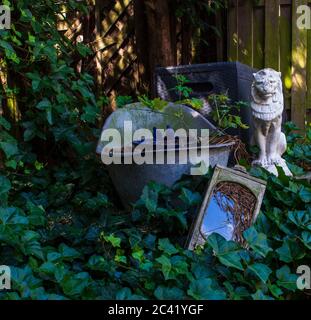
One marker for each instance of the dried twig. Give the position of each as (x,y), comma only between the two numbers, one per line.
(241,208)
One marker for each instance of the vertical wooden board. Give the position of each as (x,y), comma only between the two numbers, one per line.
(286,51)
(245,32)
(233,30)
(186,34)
(299,64)
(258,37)
(98,55)
(141,44)
(220,25)
(272,34)
(309,71)
(179,41)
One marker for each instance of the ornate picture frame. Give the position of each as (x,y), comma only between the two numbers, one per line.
(238,197)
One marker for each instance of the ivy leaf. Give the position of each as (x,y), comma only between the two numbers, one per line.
(120,257)
(97,263)
(44,104)
(114,241)
(47,268)
(299,218)
(35,84)
(29,134)
(166,266)
(124,294)
(4,123)
(11,164)
(259,295)
(231,259)
(306,239)
(90,114)
(190,198)
(286,279)
(24,281)
(10,149)
(257,241)
(275,290)
(200,270)
(150,199)
(26,15)
(202,290)
(122,101)
(74,284)
(296,170)
(305,195)
(166,246)
(290,251)
(179,265)
(138,254)
(10,215)
(68,253)
(9,51)
(30,244)
(168,293)
(226,251)
(5,185)
(54,256)
(261,270)
(37,215)
(150,241)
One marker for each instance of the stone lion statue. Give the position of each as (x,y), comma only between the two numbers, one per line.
(267,109)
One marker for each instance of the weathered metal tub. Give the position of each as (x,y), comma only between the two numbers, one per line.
(130,179)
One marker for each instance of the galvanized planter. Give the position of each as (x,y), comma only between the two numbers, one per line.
(130,179)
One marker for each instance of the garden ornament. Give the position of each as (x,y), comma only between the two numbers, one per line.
(267,107)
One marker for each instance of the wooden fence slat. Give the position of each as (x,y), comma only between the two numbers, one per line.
(272,37)
(245,32)
(219,21)
(98,54)
(258,37)
(233,31)
(285,47)
(299,64)
(309,71)
(286,51)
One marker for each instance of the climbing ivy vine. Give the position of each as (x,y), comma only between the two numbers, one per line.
(62,230)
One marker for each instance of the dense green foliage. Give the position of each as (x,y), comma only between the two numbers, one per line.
(62,231)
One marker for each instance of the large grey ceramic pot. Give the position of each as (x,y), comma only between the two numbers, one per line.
(130,179)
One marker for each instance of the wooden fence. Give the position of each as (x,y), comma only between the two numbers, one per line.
(259,33)
(109,31)
(117,32)
(264,33)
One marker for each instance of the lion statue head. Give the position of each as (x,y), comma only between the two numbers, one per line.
(267,94)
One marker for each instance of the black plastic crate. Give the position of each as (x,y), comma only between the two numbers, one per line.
(232,77)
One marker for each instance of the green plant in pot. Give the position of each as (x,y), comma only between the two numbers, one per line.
(224,113)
